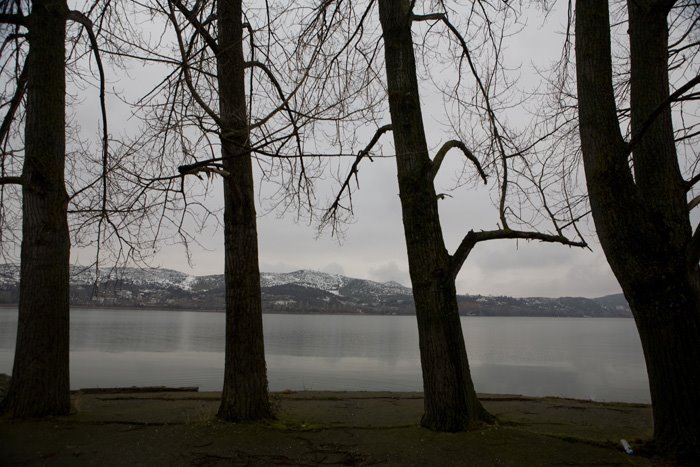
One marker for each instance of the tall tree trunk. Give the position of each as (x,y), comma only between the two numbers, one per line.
(668,310)
(245,395)
(668,321)
(642,221)
(450,399)
(40,376)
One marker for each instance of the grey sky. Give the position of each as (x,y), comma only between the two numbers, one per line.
(373,248)
(373,245)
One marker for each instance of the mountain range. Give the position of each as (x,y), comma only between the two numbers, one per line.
(301,291)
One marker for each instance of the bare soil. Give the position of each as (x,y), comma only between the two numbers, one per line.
(323,428)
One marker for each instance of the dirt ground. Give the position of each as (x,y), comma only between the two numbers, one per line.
(322,428)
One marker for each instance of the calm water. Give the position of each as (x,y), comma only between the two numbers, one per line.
(588,358)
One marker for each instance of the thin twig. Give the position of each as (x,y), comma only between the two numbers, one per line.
(333,209)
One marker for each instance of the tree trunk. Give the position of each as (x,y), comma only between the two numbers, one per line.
(669,328)
(245,395)
(40,377)
(642,221)
(450,400)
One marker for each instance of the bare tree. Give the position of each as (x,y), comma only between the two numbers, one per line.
(222,108)
(33,139)
(450,399)
(523,181)
(39,384)
(639,197)
(201,49)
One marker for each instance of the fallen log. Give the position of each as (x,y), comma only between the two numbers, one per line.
(138,389)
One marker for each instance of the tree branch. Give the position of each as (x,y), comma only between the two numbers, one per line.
(191,16)
(690,183)
(333,209)
(493,120)
(207,167)
(657,111)
(10,180)
(694,249)
(428,17)
(80,18)
(186,71)
(472,238)
(13,18)
(285,106)
(273,79)
(14,105)
(693,203)
(440,156)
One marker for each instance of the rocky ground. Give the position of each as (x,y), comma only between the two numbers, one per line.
(322,428)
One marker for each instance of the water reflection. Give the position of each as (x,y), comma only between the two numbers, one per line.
(585,358)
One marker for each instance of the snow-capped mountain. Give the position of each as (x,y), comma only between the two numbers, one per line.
(136,276)
(298,291)
(333,283)
(301,291)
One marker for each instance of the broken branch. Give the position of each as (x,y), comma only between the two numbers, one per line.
(440,156)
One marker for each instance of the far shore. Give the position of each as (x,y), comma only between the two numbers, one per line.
(10,306)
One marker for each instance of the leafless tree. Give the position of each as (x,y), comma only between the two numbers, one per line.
(33,65)
(641,188)
(222,107)
(524,179)
(64,191)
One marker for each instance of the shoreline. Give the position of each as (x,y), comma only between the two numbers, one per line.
(5,306)
(324,427)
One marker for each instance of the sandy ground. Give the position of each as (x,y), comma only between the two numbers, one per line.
(322,428)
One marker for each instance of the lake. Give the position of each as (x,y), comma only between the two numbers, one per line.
(586,358)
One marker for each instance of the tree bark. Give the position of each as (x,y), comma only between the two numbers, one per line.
(642,219)
(450,399)
(40,377)
(245,394)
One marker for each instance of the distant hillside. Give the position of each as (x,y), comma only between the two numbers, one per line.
(541,306)
(295,292)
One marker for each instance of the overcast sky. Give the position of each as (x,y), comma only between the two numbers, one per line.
(373,248)
(373,245)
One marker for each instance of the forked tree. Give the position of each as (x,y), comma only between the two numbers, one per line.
(640,199)
(450,398)
(450,401)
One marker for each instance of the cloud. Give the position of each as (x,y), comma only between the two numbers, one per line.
(333,268)
(279,267)
(497,255)
(581,274)
(390,272)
